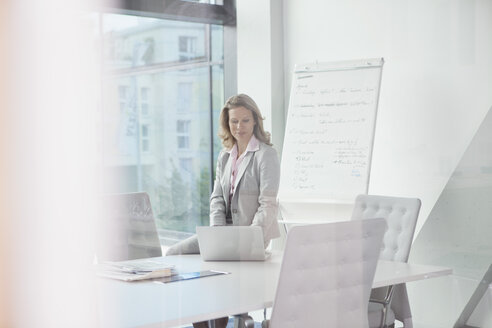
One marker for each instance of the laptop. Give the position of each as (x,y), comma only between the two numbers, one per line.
(231,243)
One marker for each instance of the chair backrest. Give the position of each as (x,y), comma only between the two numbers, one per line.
(401,218)
(127,229)
(327,273)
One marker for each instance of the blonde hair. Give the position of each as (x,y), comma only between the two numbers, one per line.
(241,100)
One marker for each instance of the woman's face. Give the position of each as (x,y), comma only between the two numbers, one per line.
(241,124)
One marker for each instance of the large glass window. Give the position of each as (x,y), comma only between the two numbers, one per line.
(163,91)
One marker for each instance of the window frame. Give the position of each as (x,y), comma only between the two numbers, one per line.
(224,15)
(178,10)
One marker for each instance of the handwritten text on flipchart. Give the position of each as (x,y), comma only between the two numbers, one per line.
(330,130)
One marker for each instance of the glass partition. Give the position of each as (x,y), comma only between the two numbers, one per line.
(457,233)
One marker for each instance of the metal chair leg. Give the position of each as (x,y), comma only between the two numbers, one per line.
(386,302)
(243,321)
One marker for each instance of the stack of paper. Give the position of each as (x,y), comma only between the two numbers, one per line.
(136,269)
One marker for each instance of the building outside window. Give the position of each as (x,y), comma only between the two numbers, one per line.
(144,101)
(145,137)
(185,92)
(122,92)
(162,95)
(183,134)
(183,142)
(183,126)
(187,48)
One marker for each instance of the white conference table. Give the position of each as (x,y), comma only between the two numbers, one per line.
(250,286)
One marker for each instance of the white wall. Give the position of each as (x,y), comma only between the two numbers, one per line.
(436,89)
(436,85)
(260,60)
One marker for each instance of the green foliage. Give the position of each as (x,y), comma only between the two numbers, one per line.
(175,203)
(204,188)
(179,206)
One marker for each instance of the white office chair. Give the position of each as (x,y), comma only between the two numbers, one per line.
(390,303)
(326,275)
(127,229)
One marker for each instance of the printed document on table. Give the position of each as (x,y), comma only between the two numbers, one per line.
(140,269)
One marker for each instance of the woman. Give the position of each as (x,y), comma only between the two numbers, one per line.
(248,170)
(247,177)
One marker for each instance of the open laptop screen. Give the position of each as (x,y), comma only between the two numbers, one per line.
(231,243)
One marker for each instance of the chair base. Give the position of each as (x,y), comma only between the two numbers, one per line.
(375,316)
(243,321)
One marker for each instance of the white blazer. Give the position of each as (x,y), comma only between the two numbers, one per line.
(254,201)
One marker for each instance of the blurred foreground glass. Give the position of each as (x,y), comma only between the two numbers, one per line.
(161,91)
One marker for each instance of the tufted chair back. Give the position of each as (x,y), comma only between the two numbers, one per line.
(127,230)
(401,217)
(326,275)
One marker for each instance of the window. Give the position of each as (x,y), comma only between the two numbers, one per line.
(144,101)
(144,135)
(144,94)
(145,131)
(183,126)
(183,142)
(165,79)
(145,145)
(183,133)
(187,48)
(185,92)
